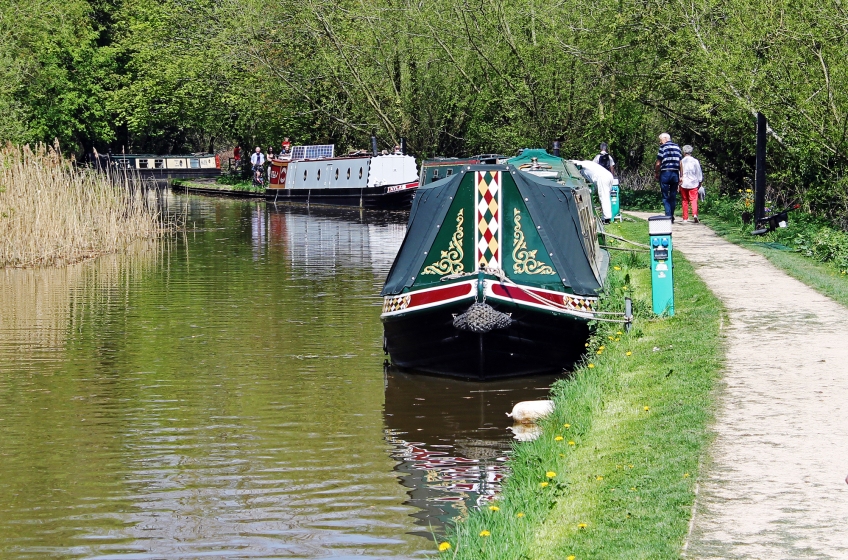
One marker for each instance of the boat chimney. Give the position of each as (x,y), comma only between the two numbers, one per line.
(374,143)
(557,144)
(403,145)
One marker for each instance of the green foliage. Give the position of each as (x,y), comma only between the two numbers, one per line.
(453,78)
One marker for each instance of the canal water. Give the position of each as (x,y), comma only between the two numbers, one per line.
(223,394)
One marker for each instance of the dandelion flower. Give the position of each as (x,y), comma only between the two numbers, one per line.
(567,426)
(519,514)
(586,345)
(591,365)
(570,443)
(617,338)
(559,438)
(572,557)
(619,332)
(494,508)
(600,352)
(550,474)
(611,337)
(599,477)
(686,475)
(647,408)
(485,533)
(543,484)
(631,466)
(628,353)
(444,546)
(748,190)
(601,347)
(633,489)
(581,525)
(616,268)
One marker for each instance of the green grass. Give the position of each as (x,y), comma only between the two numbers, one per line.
(825,278)
(630,474)
(241,186)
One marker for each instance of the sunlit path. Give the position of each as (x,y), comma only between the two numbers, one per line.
(773,485)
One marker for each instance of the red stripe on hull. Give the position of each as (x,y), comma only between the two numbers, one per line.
(442,294)
(520,295)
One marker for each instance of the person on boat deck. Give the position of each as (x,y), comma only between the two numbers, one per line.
(397,150)
(690,183)
(286,145)
(257,159)
(605,159)
(602,177)
(667,170)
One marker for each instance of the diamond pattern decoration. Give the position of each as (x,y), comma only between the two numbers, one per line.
(488,204)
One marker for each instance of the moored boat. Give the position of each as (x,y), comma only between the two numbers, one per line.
(498,275)
(442,167)
(165,167)
(313,174)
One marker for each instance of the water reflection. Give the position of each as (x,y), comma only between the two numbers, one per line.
(222,394)
(451,438)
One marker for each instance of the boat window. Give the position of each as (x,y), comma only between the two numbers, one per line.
(360,173)
(142,164)
(304,174)
(159,163)
(348,173)
(318,175)
(194,163)
(435,175)
(449,173)
(337,173)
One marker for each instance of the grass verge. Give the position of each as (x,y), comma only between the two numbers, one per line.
(613,473)
(241,186)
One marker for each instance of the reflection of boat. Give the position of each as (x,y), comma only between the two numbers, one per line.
(451,437)
(498,275)
(320,241)
(314,175)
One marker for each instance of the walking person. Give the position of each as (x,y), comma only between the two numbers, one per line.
(691,178)
(605,160)
(667,170)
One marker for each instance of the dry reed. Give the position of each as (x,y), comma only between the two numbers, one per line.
(55,213)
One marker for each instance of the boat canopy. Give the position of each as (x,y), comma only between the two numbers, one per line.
(534,229)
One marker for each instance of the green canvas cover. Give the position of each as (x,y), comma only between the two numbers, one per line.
(543,213)
(429,207)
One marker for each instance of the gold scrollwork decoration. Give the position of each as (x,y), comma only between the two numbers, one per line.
(525,261)
(451,260)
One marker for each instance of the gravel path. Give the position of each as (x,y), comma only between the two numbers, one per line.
(774,483)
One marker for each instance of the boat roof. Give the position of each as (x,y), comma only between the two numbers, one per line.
(552,208)
(566,171)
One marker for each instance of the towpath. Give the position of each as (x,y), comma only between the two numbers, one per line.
(774,481)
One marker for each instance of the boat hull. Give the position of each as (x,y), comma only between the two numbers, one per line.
(538,341)
(369,197)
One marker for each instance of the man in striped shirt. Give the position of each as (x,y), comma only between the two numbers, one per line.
(668,171)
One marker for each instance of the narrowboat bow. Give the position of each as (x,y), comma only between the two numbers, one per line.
(498,275)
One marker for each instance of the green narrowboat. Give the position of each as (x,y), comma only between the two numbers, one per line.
(498,275)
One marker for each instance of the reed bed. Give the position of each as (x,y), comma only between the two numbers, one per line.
(53,212)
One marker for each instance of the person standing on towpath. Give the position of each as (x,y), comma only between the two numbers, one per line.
(691,178)
(668,171)
(605,159)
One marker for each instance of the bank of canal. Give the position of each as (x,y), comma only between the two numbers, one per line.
(222,393)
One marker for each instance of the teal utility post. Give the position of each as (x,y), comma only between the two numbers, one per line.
(615,203)
(662,282)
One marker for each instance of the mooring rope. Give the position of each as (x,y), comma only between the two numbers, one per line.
(627,240)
